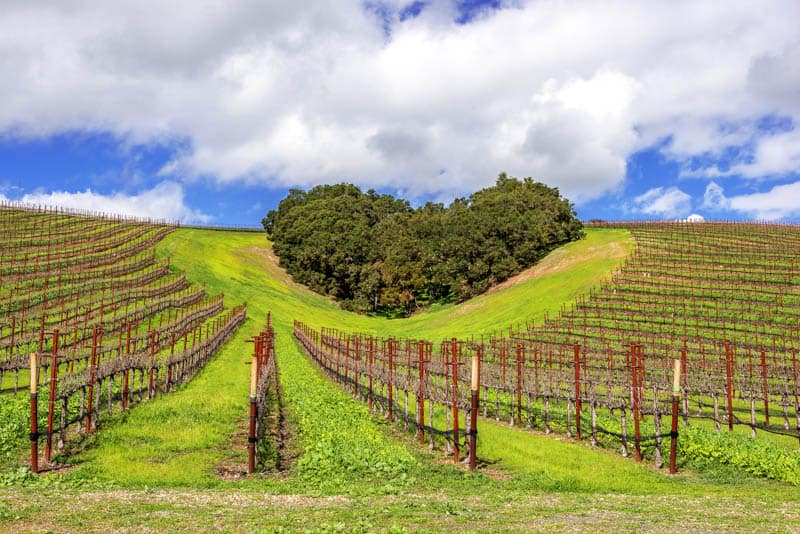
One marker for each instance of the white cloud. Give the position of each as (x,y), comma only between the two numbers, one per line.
(714,198)
(302,93)
(671,202)
(782,201)
(164,201)
(775,155)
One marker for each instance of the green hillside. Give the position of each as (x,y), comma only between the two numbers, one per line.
(242,267)
(167,463)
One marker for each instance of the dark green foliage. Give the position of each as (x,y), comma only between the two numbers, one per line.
(374,252)
(705,449)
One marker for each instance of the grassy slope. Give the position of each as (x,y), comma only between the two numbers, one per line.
(553,482)
(182,437)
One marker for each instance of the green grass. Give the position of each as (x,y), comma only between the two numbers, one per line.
(528,482)
(339,437)
(180,438)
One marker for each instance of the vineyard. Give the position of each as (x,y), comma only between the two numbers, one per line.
(307,413)
(723,305)
(92,320)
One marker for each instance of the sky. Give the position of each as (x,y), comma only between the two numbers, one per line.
(208,112)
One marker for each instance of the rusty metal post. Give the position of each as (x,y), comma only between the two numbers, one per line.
(729,383)
(125,372)
(13,331)
(51,401)
(391,379)
(338,358)
(765,385)
(41,327)
(519,385)
(796,395)
(577,391)
(151,390)
(168,385)
(685,384)
(357,360)
(676,396)
(34,436)
(92,366)
(369,363)
(347,360)
(421,394)
(635,383)
(454,362)
(251,438)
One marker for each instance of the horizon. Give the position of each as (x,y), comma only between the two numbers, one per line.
(82,212)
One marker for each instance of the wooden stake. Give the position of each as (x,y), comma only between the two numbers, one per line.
(473,414)
(34,415)
(676,396)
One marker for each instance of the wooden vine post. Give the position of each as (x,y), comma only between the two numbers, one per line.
(473,413)
(34,414)
(676,397)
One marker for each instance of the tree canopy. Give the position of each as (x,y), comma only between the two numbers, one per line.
(374,252)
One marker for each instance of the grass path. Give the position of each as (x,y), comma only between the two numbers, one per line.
(179,438)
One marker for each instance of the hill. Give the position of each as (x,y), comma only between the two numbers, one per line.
(184,443)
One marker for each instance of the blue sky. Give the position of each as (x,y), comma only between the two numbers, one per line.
(208,112)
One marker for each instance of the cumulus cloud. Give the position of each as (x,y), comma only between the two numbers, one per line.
(775,155)
(164,201)
(670,202)
(714,198)
(779,202)
(302,93)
